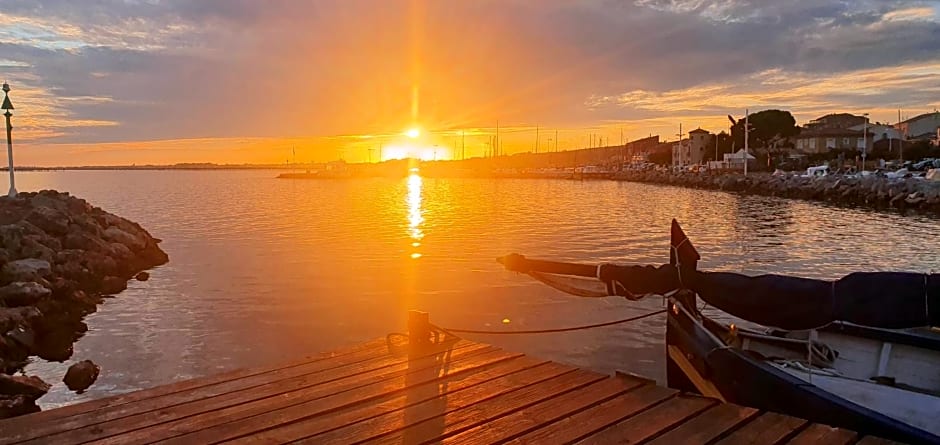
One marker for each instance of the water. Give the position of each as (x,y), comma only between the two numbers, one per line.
(264,270)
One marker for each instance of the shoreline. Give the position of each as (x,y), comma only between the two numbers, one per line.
(870,192)
(59,258)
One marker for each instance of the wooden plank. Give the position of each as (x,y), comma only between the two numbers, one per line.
(651,422)
(433,403)
(465,417)
(30,428)
(157,412)
(22,423)
(544,413)
(708,425)
(218,426)
(823,434)
(587,422)
(519,371)
(767,428)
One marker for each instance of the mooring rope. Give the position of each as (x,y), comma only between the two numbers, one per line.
(548,331)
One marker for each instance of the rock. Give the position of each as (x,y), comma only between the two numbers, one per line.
(16,406)
(113,285)
(143,276)
(25,269)
(11,318)
(21,293)
(11,238)
(118,235)
(120,252)
(32,387)
(81,375)
(100,264)
(83,241)
(49,220)
(34,249)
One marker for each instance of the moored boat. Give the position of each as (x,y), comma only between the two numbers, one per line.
(592,172)
(856,352)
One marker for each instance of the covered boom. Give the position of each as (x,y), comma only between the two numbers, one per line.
(891,300)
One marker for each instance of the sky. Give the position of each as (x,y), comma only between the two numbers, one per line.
(122,82)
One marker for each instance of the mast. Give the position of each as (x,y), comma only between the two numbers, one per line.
(496,141)
(536,138)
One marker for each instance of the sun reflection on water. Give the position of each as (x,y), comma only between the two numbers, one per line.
(415,217)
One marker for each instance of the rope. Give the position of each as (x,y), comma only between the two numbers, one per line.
(547,331)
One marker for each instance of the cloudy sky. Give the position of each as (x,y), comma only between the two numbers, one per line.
(231,81)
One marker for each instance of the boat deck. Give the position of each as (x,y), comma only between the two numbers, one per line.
(459,392)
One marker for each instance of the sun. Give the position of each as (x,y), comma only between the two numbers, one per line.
(413,132)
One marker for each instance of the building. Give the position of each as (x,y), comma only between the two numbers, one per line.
(924,126)
(828,139)
(880,132)
(690,151)
(698,142)
(836,121)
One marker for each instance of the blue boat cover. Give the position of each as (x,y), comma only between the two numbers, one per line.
(891,300)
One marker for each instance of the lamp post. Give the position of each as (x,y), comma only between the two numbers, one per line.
(864,140)
(7,107)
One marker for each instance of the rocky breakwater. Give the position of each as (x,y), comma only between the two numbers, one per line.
(868,191)
(59,258)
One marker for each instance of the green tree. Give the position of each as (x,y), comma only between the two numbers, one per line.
(725,145)
(768,128)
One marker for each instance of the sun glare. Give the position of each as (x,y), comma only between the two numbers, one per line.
(419,152)
(413,132)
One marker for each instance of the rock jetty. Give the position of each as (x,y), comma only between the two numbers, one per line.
(870,191)
(59,257)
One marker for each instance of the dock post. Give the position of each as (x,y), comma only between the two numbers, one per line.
(419,329)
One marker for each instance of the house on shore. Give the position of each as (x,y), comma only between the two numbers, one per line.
(690,151)
(922,127)
(828,139)
(835,121)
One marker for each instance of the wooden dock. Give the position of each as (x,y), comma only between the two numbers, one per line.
(459,392)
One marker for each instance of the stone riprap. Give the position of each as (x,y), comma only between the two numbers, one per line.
(869,191)
(59,257)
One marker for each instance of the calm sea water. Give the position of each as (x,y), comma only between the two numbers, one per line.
(265,270)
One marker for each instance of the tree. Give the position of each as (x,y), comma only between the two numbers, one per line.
(768,128)
(661,157)
(725,145)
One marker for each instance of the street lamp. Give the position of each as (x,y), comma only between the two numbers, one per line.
(864,140)
(7,107)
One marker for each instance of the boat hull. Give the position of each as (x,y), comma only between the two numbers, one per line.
(697,360)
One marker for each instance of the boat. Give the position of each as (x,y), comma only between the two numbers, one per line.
(315,175)
(591,172)
(857,353)
(332,170)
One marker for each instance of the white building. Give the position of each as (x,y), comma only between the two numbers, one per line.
(924,126)
(879,132)
(690,151)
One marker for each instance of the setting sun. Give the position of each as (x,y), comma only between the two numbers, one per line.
(413,132)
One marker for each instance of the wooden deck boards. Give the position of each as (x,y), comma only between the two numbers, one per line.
(464,393)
